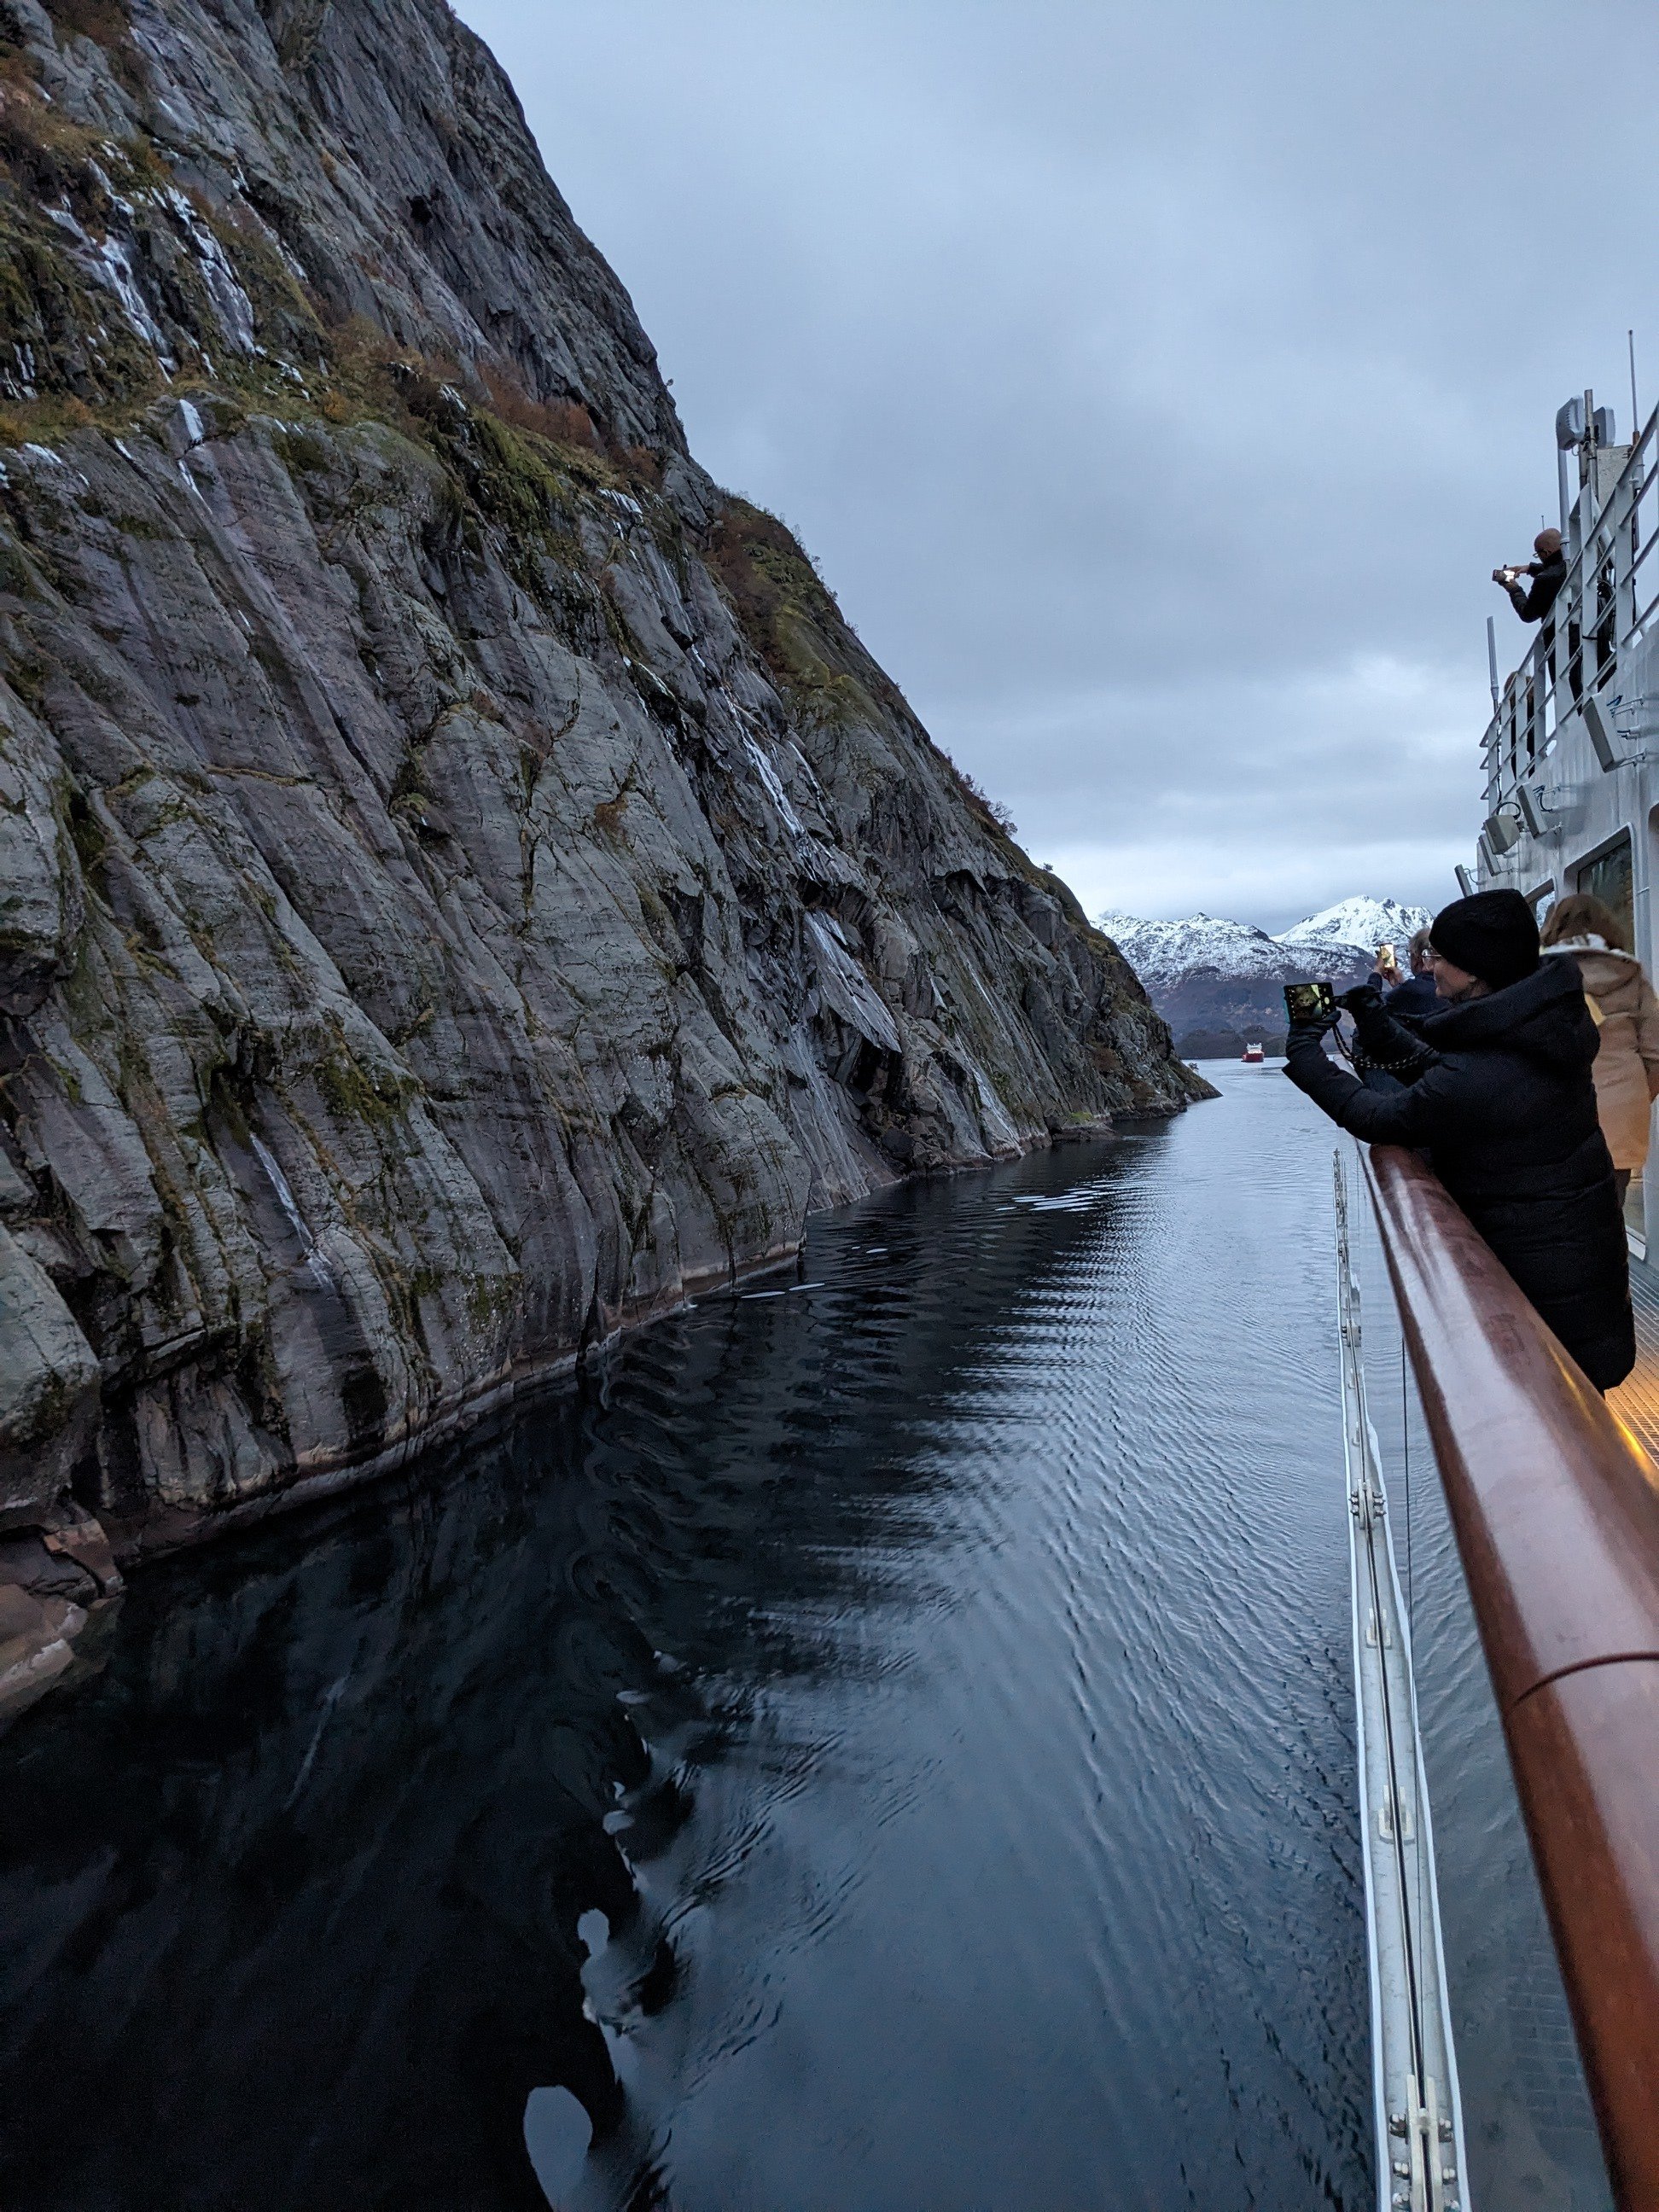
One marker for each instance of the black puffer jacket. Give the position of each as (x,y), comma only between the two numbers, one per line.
(1500,1091)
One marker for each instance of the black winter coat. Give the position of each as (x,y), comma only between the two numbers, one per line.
(1412,999)
(1408,1002)
(1499,1091)
(1547,578)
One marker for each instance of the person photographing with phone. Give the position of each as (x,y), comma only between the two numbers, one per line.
(1496,1087)
(1409,993)
(1548,572)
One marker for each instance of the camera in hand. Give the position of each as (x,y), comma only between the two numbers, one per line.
(1306,1003)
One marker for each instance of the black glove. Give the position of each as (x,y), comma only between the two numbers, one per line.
(1306,1033)
(1364,998)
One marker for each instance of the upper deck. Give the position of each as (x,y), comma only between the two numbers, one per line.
(1571,756)
(1572,688)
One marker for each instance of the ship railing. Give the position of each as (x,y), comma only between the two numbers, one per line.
(1609,601)
(1555,1508)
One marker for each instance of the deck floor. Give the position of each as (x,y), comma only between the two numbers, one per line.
(1636,1401)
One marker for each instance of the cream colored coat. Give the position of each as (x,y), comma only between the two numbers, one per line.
(1627,1065)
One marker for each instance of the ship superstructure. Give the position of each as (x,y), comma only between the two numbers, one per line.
(1571,756)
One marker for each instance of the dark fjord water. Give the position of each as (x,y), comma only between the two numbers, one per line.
(884,1745)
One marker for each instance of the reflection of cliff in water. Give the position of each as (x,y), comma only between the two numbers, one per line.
(302,1873)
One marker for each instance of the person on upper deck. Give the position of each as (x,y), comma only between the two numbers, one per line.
(1548,573)
(1497,1085)
(1625,1010)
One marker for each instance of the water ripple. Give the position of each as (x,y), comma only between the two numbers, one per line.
(986,1843)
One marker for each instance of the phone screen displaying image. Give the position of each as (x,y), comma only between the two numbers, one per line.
(1310,1002)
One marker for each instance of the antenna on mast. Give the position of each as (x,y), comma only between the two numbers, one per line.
(1635,411)
(1492,661)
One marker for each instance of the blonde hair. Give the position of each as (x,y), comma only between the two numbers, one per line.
(1417,948)
(1580,915)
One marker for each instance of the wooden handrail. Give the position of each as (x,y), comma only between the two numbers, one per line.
(1556,1512)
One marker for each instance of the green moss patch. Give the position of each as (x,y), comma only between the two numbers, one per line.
(789,615)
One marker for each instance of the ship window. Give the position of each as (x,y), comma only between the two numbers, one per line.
(1607,877)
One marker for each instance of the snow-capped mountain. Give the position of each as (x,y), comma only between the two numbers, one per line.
(1362,922)
(1218,984)
(1165,954)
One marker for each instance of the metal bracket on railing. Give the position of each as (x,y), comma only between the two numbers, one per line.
(1427,2167)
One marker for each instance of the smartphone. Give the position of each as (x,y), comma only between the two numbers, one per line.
(1310,1002)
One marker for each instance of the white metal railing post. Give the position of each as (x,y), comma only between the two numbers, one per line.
(1624,560)
(1587,643)
(1633,483)
(1512,702)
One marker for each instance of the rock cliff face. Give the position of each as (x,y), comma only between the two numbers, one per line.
(461,881)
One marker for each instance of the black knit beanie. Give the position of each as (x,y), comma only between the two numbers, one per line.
(1492,935)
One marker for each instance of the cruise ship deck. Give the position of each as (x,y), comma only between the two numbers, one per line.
(1636,1401)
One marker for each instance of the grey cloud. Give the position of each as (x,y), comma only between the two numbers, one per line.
(1156,386)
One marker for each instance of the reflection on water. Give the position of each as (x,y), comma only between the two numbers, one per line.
(885,1744)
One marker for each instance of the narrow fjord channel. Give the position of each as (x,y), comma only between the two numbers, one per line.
(883,1744)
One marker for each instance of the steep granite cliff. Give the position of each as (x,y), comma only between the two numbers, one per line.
(461,881)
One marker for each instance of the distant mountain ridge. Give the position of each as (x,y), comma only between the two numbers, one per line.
(1218,984)
(1358,923)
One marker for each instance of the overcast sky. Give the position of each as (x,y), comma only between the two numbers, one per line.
(1156,384)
